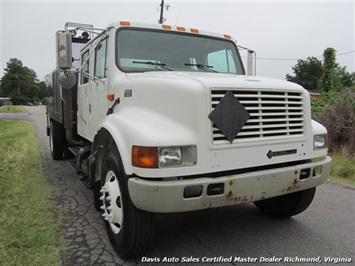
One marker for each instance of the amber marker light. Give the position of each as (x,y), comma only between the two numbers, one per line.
(166,27)
(110,97)
(180,28)
(145,157)
(125,23)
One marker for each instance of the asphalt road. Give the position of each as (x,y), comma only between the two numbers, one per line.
(240,234)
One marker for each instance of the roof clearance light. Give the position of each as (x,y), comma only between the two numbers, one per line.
(166,27)
(227,36)
(180,28)
(125,23)
(194,30)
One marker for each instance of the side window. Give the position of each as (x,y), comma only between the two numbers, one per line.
(101,58)
(222,61)
(84,79)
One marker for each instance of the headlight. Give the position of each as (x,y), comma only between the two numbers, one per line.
(170,156)
(160,157)
(319,142)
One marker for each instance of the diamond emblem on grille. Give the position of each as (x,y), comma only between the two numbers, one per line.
(229,116)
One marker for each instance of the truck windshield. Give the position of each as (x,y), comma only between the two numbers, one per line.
(139,50)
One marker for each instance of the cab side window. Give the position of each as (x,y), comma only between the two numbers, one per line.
(84,79)
(101,60)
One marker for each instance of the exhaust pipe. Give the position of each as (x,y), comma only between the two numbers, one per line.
(251,60)
(251,71)
(68,117)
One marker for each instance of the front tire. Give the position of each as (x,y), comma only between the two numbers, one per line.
(287,205)
(130,230)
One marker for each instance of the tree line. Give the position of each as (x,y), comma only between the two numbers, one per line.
(21,84)
(317,76)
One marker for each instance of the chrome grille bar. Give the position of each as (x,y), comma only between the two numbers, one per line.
(274,114)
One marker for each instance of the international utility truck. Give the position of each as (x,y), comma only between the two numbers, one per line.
(164,119)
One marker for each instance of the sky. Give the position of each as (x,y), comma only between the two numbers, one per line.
(280,32)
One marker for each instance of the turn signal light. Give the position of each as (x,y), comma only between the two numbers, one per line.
(145,157)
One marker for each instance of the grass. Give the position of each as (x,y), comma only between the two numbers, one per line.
(343,169)
(29,219)
(12,109)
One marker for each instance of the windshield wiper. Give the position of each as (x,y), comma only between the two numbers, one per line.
(202,66)
(161,65)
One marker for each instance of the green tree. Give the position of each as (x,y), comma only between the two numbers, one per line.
(353,77)
(307,73)
(43,91)
(20,83)
(316,76)
(345,78)
(329,80)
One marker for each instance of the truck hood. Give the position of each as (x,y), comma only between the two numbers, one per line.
(218,80)
(166,108)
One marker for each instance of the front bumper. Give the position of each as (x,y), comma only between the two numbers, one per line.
(169,197)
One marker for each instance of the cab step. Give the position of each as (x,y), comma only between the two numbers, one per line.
(81,154)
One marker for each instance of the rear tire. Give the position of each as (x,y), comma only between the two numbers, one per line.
(56,140)
(287,205)
(130,230)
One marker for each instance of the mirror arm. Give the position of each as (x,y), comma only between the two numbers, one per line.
(91,77)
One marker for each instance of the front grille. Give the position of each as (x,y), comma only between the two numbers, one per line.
(273,114)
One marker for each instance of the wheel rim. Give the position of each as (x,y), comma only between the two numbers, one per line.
(112,203)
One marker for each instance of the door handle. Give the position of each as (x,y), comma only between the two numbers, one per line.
(81,106)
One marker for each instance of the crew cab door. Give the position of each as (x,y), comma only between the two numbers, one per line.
(100,88)
(84,96)
(93,88)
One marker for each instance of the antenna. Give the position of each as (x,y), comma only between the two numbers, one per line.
(162,6)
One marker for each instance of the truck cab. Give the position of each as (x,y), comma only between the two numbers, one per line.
(164,119)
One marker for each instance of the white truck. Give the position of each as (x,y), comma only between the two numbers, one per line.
(164,119)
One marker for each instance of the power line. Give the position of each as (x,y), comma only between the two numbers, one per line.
(295,59)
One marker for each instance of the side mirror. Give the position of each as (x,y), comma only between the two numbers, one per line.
(64,50)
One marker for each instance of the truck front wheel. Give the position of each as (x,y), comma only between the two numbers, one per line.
(287,205)
(130,230)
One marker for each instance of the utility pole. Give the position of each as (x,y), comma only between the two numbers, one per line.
(161,19)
